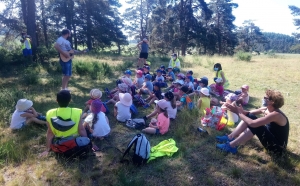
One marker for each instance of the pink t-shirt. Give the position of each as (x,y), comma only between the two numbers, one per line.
(163,123)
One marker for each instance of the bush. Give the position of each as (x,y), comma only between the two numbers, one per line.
(44,53)
(243,56)
(30,76)
(124,66)
(82,68)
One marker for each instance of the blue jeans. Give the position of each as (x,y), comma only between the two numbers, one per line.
(66,67)
(27,52)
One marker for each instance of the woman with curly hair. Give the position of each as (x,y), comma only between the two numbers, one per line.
(272,129)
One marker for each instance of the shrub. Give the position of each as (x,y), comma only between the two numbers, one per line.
(82,68)
(44,53)
(243,56)
(30,76)
(124,66)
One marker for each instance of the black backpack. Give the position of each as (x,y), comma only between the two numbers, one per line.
(141,148)
(138,123)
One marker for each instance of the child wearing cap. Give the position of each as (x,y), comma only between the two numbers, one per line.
(163,70)
(139,79)
(189,84)
(125,80)
(147,87)
(243,98)
(96,123)
(160,125)
(160,78)
(122,88)
(25,114)
(203,83)
(122,107)
(155,95)
(204,100)
(190,74)
(230,98)
(183,92)
(146,70)
(170,75)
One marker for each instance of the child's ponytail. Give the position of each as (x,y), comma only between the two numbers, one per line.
(95,119)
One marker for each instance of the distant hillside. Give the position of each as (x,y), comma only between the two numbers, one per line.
(280,43)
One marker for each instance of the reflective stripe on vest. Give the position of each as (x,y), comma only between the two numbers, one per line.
(64,121)
(24,46)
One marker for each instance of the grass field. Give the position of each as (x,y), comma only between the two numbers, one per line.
(196,163)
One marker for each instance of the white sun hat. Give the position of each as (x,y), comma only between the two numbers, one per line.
(125,99)
(23,104)
(95,94)
(205,91)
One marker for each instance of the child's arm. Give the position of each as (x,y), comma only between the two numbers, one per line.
(115,111)
(199,103)
(223,77)
(153,126)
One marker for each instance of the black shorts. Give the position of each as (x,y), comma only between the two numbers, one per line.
(266,138)
(143,55)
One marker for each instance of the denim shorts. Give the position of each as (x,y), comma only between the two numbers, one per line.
(66,67)
(157,131)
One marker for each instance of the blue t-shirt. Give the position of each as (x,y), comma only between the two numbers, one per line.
(172,75)
(149,85)
(139,82)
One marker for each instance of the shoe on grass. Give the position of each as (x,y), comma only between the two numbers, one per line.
(227,148)
(146,105)
(223,139)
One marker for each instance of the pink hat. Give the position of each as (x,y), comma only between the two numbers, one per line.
(139,72)
(125,99)
(246,87)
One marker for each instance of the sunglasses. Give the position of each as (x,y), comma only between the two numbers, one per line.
(266,98)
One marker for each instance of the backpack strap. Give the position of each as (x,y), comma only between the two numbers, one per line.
(129,147)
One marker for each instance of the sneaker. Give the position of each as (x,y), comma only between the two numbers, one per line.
(227,148)
(146,105)
(145,118)
(223,139)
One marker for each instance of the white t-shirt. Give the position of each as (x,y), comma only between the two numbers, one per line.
(123,112)
(101,127)
(64,44)
(167,104)
(160,78)
(190,85)
(17,120)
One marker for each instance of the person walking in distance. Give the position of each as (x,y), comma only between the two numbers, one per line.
(63,46)
(143,46)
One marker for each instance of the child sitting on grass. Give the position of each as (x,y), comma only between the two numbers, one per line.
(159,126)
(122,107)
(95,94)
(125,80)
(147,87)
(146,70)
(122,88)
(243,98)
(160,78)
(25,114)
(96,124)
(189,84)
(163,71)
(139,79)
(217,88)
(156,95)
(204,101)
(202,84)
(182,103)
(190,74)
(170,75)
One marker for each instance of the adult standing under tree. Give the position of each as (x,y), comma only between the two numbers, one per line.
(63,46)
(26,45)
(175,63)
(143,46)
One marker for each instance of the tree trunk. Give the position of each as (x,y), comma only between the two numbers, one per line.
(89,26)
(44,23)
(24,11)
(75,36)
(31,26)
(119,49)
(69,6)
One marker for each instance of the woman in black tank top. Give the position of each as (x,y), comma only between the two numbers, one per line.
(272,129)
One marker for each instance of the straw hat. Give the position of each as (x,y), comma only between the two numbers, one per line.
(123,87)
(23,105)
(205,91)
(125,99)
(95,94)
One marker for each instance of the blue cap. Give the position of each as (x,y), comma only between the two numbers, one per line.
(156,84)
(162,66)
(147,67)
(148,76)
(127,72)
(158,70)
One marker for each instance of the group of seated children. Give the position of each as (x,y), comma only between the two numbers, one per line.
(177,97)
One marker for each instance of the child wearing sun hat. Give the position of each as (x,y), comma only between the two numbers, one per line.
(204,100)
(122,107)
(95,94)
(25,114)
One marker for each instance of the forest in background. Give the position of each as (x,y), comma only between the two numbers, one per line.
(182,26)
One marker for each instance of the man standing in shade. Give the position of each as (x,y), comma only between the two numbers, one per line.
(143,46)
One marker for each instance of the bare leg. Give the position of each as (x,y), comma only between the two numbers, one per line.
(149,130)
(242,126)
(243,138)
(65,81)
(35,120)
(152,100)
